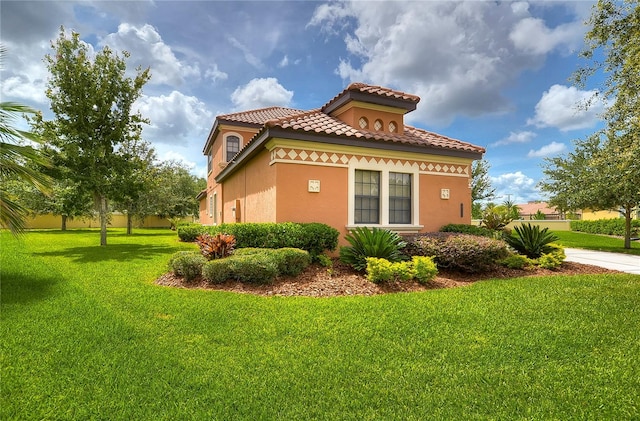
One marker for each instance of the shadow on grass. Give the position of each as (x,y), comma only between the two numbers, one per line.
(20,288)
(111,232)
(116,252)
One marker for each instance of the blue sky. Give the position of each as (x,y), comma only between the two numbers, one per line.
(496,74)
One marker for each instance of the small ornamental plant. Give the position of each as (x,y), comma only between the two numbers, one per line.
(216,246)
(420,268)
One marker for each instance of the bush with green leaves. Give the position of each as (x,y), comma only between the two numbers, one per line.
(517,261)
(612,226)
(187,264)
(423,269)
(468,229)
(553,258)
(312,237)
(291,261)
(217,271)
(375,242)
(462,252)
(531,241)
(256,268)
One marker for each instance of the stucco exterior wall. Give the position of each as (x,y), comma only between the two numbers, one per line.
(295,203)
(436,211)
(249,194)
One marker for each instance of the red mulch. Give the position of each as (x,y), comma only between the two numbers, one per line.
(318,281)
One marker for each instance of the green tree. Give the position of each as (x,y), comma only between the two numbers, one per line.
(604,170)
(175,191)
(92,98)
(481,188)
(19,160)
(135,178)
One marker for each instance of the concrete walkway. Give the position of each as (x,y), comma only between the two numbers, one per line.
(617,261)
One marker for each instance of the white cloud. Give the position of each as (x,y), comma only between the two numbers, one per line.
(533,36)
(284,62)
(215,74)
(171,155)
(552,148)
(174,118)
(516,137)
(457,56)
(517,186)
(563,107)
(260,93)
(250,58)
(149,50)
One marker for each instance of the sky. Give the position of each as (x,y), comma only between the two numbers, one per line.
(495,74)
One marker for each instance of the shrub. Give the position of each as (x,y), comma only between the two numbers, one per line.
(381,270)
(187,264)
(553,258)
(216,246)
(371,243)
(253,268)
(324,260)
(291,261)
(217,271)
(466,253)
(312,237)
(189,232)
(425,268)
(613,226)
(468,229)
(531,241)
(517,261)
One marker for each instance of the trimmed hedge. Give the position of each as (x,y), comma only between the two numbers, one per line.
(313,237)
(187,264)
(614,226)
(257,265)
(466,253)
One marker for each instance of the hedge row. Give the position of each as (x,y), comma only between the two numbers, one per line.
(312,237)
(613,226)
(469,229)
(245,265)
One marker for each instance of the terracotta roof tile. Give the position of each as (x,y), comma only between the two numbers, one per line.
(376,90)
(259,116)
(318,122)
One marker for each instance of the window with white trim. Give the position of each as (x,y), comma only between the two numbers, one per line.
(384,195)
(210,205)
(367,199)
(232,146)
(209,161)
(215,208)
(399,198)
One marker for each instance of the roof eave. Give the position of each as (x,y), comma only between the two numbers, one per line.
(406,105)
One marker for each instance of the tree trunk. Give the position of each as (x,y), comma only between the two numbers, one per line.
(129,223)
(103,220)
(627,227)
(64,223)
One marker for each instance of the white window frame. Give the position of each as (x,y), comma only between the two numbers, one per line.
(384,170)
(210,205)
(215,208)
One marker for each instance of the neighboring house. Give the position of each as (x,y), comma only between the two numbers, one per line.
(530,210)
(352,162)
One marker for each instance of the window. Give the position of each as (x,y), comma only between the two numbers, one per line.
(210,205)
(363,123)
(384,194)
(215,208)
(399,198)
(233,147)
(377,125)
(393,127)
(367,197)
(209,161)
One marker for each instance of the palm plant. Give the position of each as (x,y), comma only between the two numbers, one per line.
(18,160)
(376,242)
(532,241)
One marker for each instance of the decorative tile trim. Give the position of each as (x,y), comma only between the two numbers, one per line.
(339,159)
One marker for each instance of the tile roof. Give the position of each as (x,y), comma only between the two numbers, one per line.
(259,116)
(315,121)
(378,91)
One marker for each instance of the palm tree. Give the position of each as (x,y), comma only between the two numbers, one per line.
(18,161)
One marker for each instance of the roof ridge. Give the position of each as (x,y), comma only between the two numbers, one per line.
(274,121)
(255,110)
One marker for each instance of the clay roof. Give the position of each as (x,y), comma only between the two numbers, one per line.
(315,121)
(259,116)
(373,93)
(534,207)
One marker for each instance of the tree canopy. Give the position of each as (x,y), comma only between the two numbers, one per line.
(92,98)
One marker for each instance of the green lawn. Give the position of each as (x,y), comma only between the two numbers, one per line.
(596,242)
(85,334)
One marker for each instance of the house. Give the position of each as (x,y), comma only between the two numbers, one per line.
(352,162)
(538,210)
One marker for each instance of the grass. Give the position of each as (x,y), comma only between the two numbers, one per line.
(87,334)
(596,242)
